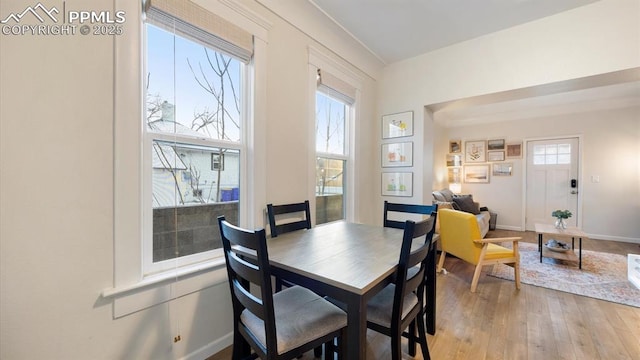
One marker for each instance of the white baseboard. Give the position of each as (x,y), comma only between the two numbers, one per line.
(614,238)
(511,228)
(212,348)
(591,236)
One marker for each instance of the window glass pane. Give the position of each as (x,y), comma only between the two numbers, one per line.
(538,149)
(564,159)
(330,125)
(538,159)
(329,189)
(551,149)
(189,185)
(551,159)
(192,90)
(564,149)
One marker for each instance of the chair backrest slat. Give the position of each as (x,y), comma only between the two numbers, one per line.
(275,210)
(405,208)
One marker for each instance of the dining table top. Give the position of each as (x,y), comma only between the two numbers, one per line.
(353,257)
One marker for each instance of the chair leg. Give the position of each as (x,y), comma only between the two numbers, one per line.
(422,339)
(396,350)
(516,268)
(476,276)
(412,337)
(441,261)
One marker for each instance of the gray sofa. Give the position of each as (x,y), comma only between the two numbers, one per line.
(445,198)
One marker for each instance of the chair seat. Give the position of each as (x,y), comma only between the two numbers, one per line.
(497,252)
(380,307)
(297,310)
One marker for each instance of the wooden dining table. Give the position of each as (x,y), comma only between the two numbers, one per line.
(350,263)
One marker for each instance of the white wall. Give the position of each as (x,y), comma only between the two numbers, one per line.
(57,220)
(595,39)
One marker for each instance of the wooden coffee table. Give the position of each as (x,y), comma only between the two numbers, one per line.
(570,255)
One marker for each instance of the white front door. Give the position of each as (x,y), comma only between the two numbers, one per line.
(552,180)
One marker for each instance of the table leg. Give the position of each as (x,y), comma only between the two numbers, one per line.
(580,254)
(540,245)
(356,328)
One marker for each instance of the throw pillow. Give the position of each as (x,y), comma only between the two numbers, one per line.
(466,204)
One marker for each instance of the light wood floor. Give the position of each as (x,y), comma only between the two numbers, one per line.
(499,322)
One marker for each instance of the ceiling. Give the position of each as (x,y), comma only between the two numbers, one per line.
(394,30)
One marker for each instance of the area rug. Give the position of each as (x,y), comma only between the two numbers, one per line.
(603,276)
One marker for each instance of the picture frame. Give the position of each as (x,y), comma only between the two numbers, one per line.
(397,154)
(397,184)
(495,144)
(502,169)
(495,156)
(454,175)
(455,146)
(475,151)
(397,125)
(454,160)
(476,173)
(514,150)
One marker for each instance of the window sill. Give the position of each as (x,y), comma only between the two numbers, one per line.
(169,285)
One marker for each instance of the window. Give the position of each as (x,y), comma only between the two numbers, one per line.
(142,149)
(552,154)
(193,142)
(333,113)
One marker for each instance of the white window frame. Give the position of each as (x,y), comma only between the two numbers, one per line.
(149,266)
(132,290)
(319,59)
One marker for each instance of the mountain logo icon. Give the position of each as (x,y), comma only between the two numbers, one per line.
(39,11)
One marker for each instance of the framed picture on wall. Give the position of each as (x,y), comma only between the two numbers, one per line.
(454,175)
(502,169)
(397,154)
(397,125)
(496,155)
(495,144)
(454,159)
(514,151)
(397,184)
(475,151)
(455,146)
(476,173)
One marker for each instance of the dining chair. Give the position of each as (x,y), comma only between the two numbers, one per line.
(398,306)
(404,208)
(278,326)
(460,236)
(398,210)
(276,211)
(302,215)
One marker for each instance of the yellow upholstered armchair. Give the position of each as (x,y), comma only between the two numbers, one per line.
(460,237)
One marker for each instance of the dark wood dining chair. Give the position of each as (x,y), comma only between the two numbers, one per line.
(275,211)
(431,210)
(279,326)
(404,208)
(399,306)
(302,216)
